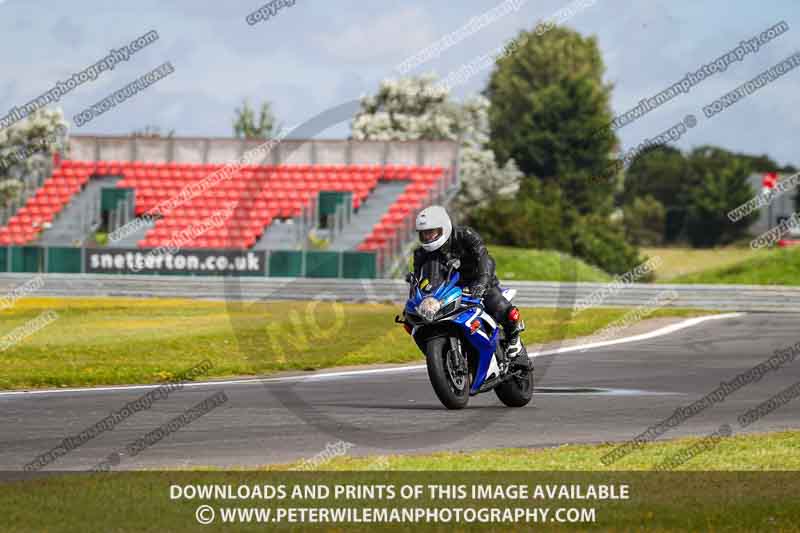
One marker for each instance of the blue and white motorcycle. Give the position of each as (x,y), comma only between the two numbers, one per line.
(461,341)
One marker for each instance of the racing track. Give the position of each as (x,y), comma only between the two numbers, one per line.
(397,412)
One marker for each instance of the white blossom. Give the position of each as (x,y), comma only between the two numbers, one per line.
(26,148)
(419,108)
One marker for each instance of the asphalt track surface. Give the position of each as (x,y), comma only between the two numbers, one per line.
(609,393)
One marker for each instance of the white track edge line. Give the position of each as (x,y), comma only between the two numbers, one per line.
(666,330)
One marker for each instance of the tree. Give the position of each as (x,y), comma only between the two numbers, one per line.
(759,163)
(419,108)
(662,172)
(533,220)
(720,184)
(504,207)
(644,221)
(245,126)
(602,244)
(539,217)
(659,171)
(549,111)
(26,149)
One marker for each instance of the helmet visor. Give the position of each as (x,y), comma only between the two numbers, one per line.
(427,236)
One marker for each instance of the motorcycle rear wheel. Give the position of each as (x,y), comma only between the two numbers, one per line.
(517,391)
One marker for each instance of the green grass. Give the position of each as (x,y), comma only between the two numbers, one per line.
(542,265)
(104,341)
(719,495)
(730,265)
(754,452)
(681,262)
(759,267)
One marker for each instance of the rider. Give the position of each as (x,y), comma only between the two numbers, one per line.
(441,240)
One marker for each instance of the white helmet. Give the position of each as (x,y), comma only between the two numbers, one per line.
(434,227)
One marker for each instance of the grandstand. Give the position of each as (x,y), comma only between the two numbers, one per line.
(274,205)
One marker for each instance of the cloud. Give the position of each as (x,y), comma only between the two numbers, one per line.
(67,32)
(385,38)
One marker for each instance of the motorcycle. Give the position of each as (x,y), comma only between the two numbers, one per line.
(462,343)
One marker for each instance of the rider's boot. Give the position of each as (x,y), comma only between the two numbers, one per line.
(516,353)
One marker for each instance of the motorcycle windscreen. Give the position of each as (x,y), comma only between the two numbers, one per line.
(432,275)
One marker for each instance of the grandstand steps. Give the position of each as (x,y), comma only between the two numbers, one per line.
(74,223)
(143,225)
(376,205)
(280,235)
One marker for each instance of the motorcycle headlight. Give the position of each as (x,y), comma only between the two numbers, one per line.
(428,308)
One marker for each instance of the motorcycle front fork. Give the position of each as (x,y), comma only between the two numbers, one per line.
(455,347)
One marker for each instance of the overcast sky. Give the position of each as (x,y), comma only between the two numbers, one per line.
(320,53)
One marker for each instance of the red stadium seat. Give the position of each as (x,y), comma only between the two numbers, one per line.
(258,193)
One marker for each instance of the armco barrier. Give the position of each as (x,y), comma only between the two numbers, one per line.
(530,294)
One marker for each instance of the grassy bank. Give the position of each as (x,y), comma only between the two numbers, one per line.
(542,265)
(680,262)
(760,267)
(102,341)
(726,265)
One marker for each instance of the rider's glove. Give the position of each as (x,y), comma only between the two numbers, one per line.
(477,291)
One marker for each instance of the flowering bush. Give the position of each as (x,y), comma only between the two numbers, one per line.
(9,190)
(26,149)
(419,108)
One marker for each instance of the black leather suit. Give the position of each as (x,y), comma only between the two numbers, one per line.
(477,271)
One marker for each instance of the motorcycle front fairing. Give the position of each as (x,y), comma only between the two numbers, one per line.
(446,293)
(483,339)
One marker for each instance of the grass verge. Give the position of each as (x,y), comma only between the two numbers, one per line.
(716,496)
(752,452)
(105,341)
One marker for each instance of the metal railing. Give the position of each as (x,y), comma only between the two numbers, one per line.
(529,293)
(306,221)
(393,257)
(91,218)
(341,217)
(121,214)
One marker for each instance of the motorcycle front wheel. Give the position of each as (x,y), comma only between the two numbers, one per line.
(448,379)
